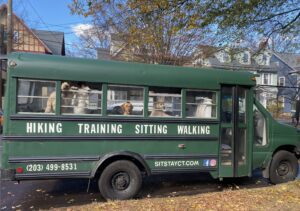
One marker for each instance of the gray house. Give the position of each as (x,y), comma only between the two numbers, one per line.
(54,40)
(277,87)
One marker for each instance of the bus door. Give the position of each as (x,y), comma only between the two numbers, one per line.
(233,156)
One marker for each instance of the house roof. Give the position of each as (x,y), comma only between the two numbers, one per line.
(292,59)
(289,59)
(4,7)
(53,39)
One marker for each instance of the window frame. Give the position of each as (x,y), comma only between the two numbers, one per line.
(202,90)
(266,122)
(59,92)
(281,78)
(269,78)
(182,114)
(55,82)
(121,115)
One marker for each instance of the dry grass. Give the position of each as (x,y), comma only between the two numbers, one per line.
(280,197)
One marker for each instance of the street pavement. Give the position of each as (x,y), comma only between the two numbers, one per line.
(46,194)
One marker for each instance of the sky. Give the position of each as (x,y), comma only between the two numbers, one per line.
(50,15)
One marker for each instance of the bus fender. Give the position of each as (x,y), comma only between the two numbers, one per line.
(119,156)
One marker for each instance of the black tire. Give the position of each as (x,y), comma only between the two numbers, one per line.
(284,167)
(120,180)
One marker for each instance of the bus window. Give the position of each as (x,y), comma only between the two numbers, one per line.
(260,133)
(81,98)
(242,105)
(125,100)
(201,104)
(226,109)
(164,102)
(35,96)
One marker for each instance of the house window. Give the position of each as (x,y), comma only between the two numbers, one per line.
(16,36)
(226,57)
(281,81)
(266,79)
(263,59)
(246,58)
(223,57)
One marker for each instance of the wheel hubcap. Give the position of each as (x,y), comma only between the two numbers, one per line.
(283,168)
(120,181)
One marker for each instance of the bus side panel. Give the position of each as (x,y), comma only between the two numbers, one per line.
(168,147)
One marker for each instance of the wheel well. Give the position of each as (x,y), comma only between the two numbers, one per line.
(110,160)
(289,148)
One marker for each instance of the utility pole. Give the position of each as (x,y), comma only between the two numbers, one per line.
(9,42)
(9,26)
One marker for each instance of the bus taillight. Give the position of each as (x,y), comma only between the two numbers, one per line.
(19,170)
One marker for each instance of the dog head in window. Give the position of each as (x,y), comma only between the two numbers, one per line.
(159,105)
(65,86)
(127,108)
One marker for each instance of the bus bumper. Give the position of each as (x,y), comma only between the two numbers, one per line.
(7,174)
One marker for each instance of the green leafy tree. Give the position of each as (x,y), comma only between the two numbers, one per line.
(169,31)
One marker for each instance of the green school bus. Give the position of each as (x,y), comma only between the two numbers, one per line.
(119,122)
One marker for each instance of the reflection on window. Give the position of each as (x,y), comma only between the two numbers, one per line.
(242,145)
(36,96)
(164,102)
(242,105)
(125,100)
(260,132)
(226,146)
(227,105)
(80,98)
(201,104)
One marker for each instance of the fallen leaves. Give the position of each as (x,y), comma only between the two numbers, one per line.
(277,197)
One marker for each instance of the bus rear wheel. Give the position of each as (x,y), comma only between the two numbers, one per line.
(120,180)
(283,168)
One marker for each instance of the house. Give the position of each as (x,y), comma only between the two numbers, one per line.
(26,40)
(276,89)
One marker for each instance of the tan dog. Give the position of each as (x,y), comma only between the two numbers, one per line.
(127,108)
(159,107)
(51,102)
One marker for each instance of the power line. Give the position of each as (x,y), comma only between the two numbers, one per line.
(42,21)
(60,25)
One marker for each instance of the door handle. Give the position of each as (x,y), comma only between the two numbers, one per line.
(181,146)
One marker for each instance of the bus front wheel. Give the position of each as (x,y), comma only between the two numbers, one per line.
(284,167)
(120,180)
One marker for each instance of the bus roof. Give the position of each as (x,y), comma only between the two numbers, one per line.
(38,66)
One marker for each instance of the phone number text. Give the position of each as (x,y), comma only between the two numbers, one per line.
(51,167)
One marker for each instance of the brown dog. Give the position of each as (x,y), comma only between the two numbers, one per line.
(127,108)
